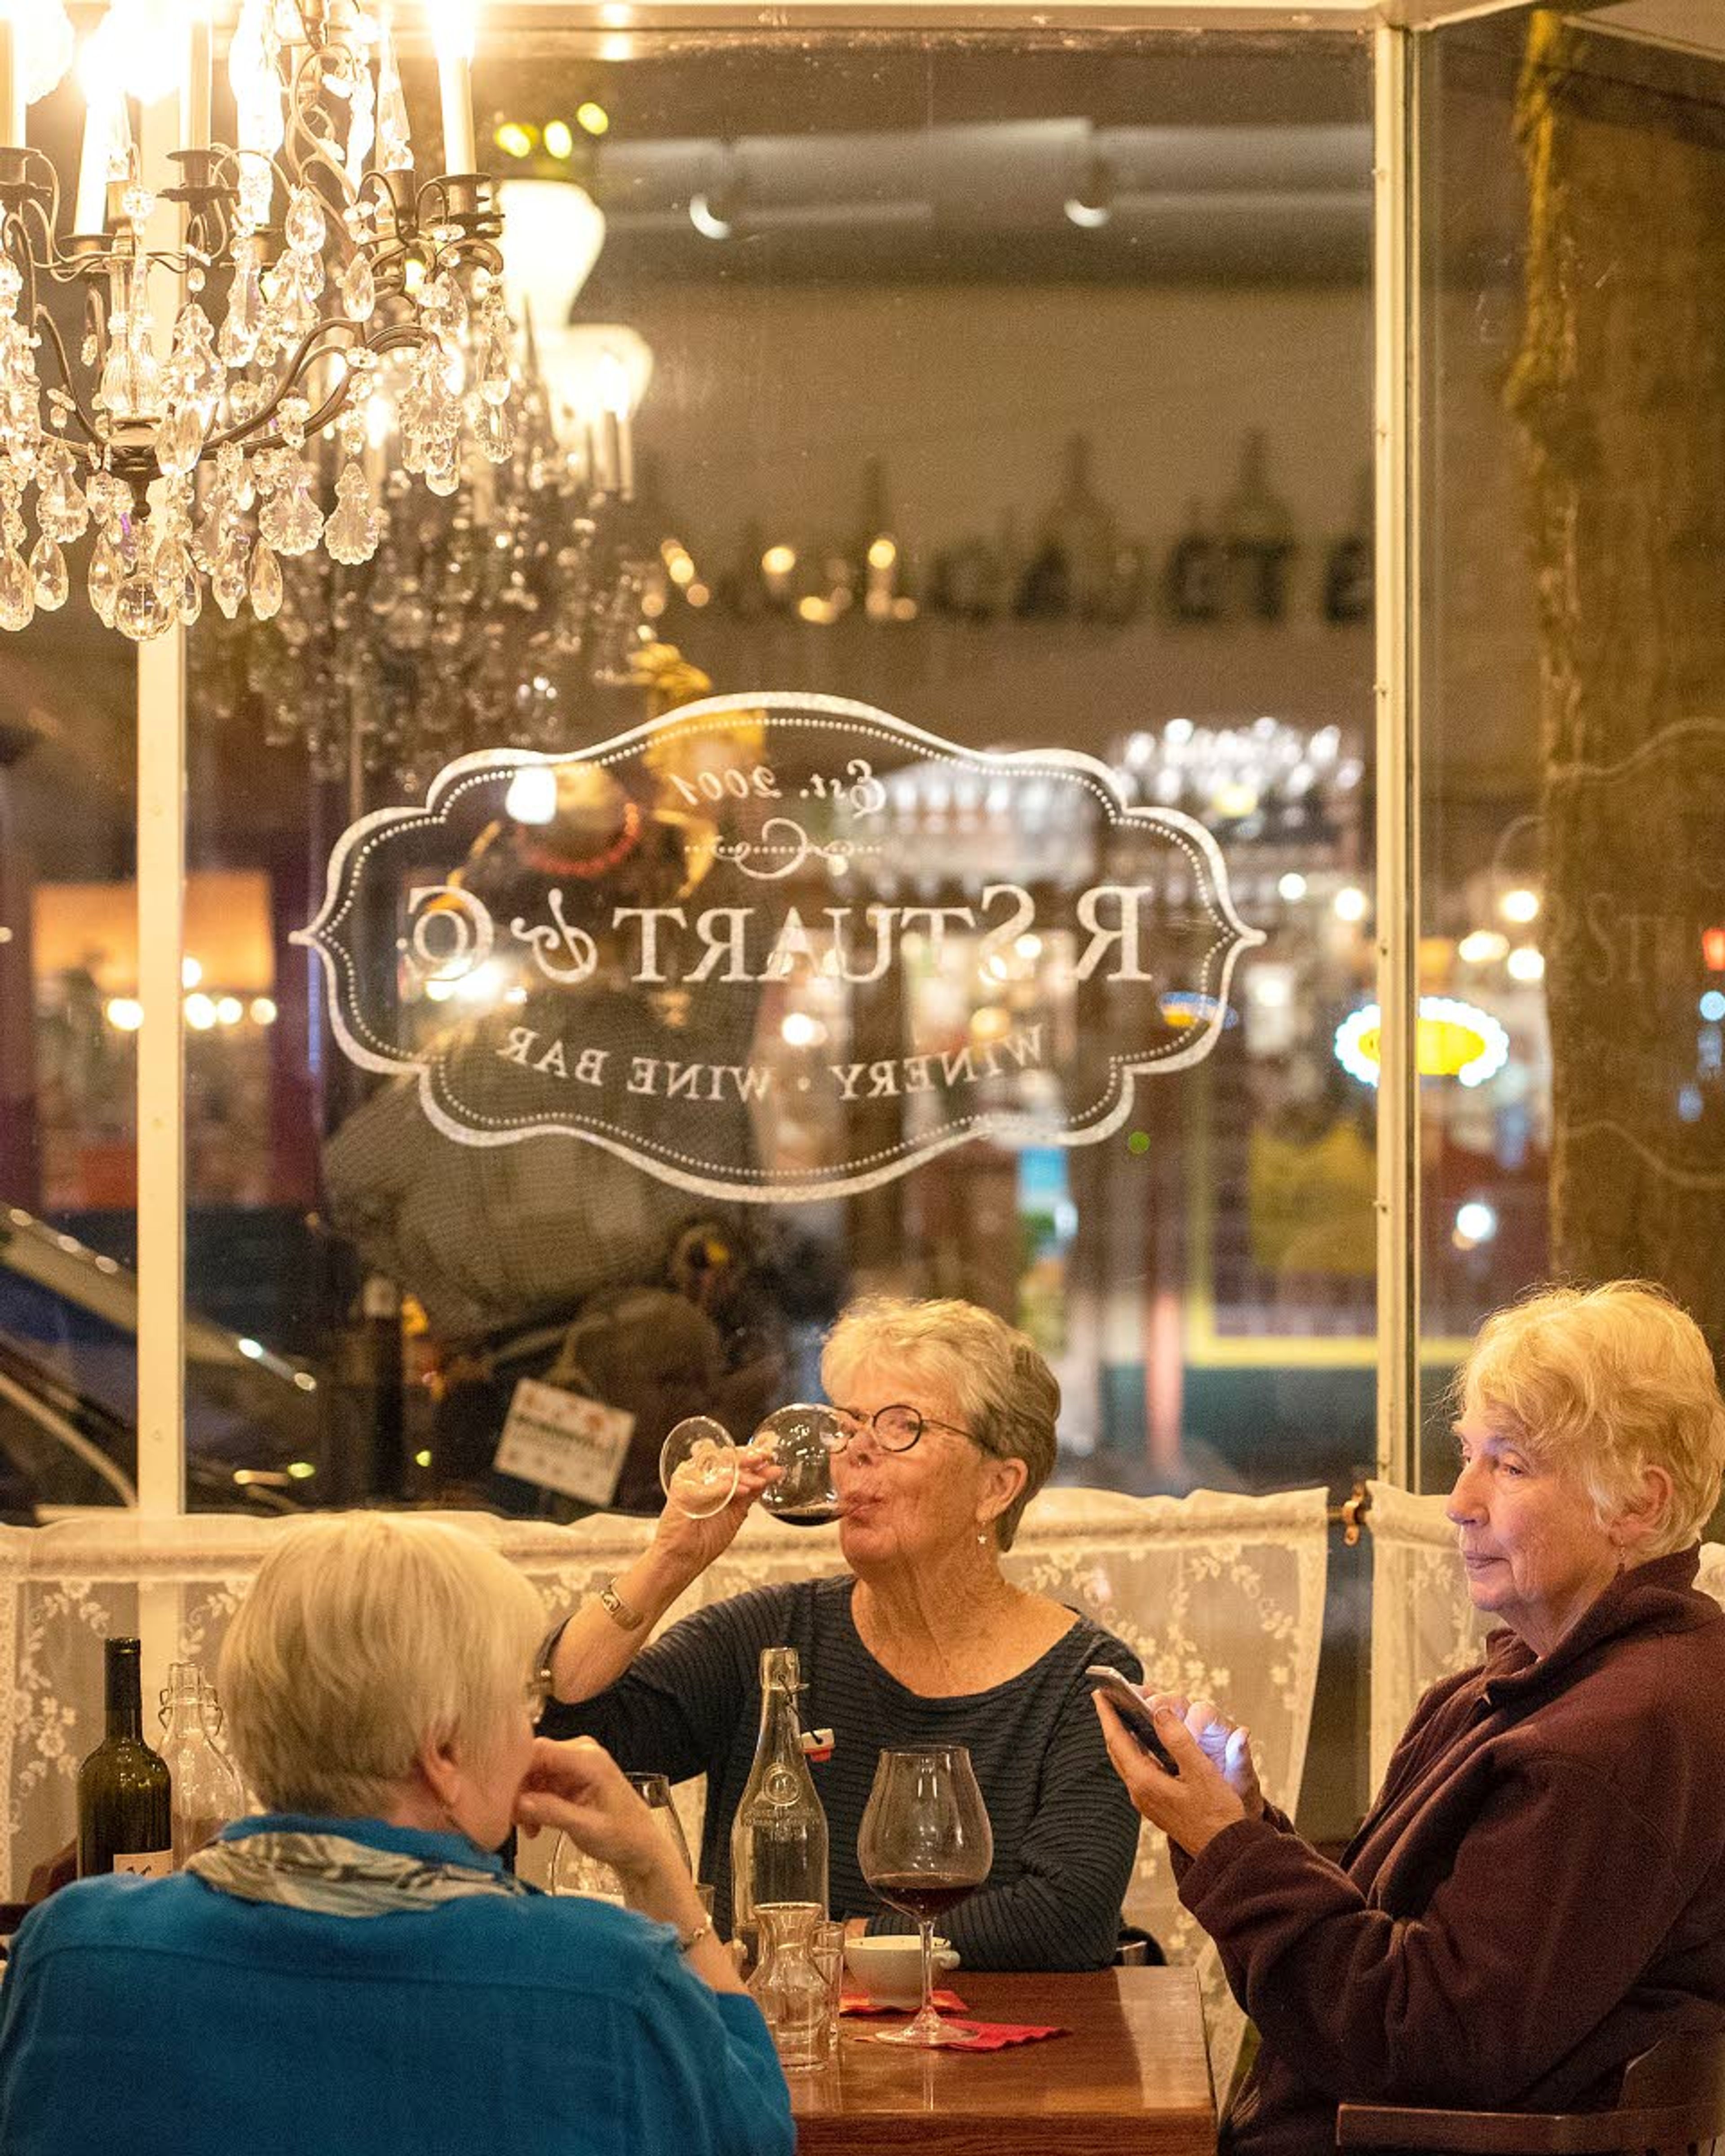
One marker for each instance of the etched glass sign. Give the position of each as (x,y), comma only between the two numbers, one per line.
(777,947)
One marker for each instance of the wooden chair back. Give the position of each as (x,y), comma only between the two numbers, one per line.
(1672,2104)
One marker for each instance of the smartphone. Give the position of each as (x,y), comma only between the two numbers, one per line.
(1132,1712)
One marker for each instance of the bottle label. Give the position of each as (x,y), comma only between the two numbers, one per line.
(146,1863)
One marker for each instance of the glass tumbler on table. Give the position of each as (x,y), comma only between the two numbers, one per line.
(924,1845)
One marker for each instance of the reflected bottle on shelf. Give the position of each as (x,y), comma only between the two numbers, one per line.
(1073,566)
(207,1792)
(1258,531)
(125,1807)
(877,558)
(778,1838)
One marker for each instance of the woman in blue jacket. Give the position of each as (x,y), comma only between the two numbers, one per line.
(355,1969)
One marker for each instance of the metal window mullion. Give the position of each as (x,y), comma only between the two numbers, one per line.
(161,1074)
(1395,296)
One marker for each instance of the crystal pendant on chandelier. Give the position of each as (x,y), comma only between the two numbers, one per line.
(189,459)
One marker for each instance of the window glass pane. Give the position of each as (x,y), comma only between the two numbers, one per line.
(1573,664)
(1012,395)
(69,1014)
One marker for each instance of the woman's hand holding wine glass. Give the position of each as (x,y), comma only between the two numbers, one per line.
(924,1845)
(710,1482)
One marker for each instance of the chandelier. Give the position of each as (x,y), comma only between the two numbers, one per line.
(334,280)
(527,606)
(513,614)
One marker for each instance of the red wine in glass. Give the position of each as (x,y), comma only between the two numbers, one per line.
(921,1894)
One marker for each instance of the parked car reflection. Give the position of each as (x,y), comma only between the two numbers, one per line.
(69,1318)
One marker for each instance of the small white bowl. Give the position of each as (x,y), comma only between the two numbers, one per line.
(890,1969)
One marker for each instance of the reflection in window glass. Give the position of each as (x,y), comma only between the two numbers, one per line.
(1572,671)
(1019,393)
(69,1015)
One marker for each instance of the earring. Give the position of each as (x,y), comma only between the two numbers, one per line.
(982,1538)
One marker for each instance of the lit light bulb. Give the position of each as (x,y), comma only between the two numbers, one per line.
(533,795)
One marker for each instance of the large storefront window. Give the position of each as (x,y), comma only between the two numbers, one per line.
(982,399)
(1574,652)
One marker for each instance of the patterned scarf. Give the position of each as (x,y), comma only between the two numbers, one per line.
(333,1876)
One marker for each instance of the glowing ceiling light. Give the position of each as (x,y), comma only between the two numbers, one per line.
(705,219)
(1520,905)
(1485,947)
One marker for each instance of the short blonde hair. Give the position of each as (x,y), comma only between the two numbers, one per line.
(1605,1382)
(1007,1396)
(365,1634)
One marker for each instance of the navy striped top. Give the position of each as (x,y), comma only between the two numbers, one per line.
(1065,1833)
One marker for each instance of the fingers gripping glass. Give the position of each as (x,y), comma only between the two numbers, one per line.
(700,1465)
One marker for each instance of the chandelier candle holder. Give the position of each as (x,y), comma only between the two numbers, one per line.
(190,471)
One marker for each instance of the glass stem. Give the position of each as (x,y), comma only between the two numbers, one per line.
(927,2019)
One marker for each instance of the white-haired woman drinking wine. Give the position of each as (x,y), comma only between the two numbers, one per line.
(922,1644)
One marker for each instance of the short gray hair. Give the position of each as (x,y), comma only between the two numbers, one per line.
(1602,1384)
(1007,1396)
(365,1634)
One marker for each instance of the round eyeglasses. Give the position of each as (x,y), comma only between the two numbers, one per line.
(897,1428)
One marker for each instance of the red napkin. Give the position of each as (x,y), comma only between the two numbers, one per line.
(859,2002)
(996,2035)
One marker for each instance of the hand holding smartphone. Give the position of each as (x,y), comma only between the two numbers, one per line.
(1132,1712)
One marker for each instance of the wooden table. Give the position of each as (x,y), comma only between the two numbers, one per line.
(1132,2076)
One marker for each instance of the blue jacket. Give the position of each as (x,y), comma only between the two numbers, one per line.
(165,2019)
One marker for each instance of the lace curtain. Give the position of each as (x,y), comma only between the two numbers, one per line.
(1424,1627)
(1221,1596)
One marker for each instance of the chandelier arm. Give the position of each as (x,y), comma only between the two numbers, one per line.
(304,357)
(306,103)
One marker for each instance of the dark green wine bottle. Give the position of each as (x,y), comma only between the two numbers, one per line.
(124,1817)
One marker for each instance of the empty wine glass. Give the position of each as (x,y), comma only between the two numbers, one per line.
(573,1870)
(925,1843)
(698,1464)
(655,1791)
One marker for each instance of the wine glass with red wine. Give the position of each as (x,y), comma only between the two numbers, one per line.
(698,1464)
(925,1844)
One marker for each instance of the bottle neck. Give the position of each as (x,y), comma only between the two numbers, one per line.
(185,1716)
(124,1693)
(781,1730)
